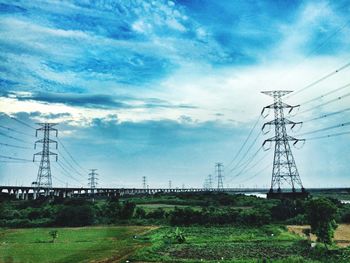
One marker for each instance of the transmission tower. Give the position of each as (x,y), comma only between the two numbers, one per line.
(169,184)
(144,182)
(44,180)
(219,175)
(284,167)
(93,180)
(210,181)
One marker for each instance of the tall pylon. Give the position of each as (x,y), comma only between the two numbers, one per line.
(170,186)
(144,182)
(284,167)
(219,175)
(44,180)
(93,180)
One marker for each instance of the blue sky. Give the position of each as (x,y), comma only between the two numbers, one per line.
(165,89)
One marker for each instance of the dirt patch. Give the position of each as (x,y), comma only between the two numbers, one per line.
(117,259)
(341,236)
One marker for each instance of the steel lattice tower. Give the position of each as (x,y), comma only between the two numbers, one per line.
(219,174)
(210,181)
(44,180)
(144,184)
(93,180)
(284,167)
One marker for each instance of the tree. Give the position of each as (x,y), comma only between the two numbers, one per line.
(54,235)
(321,214)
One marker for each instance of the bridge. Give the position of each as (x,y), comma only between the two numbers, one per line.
(32,192)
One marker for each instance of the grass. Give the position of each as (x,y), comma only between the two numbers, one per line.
(72,245)
(232,244)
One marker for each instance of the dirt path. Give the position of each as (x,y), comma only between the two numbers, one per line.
(117,259)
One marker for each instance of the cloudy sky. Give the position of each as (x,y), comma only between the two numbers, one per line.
(165,89)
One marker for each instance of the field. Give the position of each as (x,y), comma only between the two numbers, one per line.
(151,244)
(84,244)
(341,235)
(224,244)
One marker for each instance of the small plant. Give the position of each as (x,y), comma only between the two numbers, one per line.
(175,237)
(179,236)
(54,235)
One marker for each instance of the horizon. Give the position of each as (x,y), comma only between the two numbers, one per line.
(167,89)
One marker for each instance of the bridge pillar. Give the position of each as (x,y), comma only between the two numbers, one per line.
(22,194)
(17,194)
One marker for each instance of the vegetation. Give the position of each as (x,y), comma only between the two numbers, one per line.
(193,226)
(54,235)
(73,245)
(321,216)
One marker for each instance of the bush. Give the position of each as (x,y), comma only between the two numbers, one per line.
(75,216)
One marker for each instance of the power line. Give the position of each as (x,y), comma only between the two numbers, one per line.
(13,138)
(326,103)
(327,128)
(66,173)
(319,80)
(13,146)
(14,130)
(245,169)
(245,154)
(14,158)
(21,122)
(328,136)
(70,165)
(66,150)
(245,142)
(326,94)
(327,115)
(256,174)
(13,161)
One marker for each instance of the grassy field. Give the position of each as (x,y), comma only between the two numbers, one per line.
(224,244)
(234,244)
(203,244)
(85,244)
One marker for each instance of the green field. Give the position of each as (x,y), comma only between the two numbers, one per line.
(272,243)
(84,244)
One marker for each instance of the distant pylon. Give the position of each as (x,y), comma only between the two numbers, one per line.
(44,180)
(144,182)
(210,181)
(219,175)
(169,184)
(93,180)
(284,167)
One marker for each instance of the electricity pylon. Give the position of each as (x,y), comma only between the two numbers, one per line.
(93,181)
(284,167)
(44,180)
(219,175)
(144,184)
(210,181)
(170,184)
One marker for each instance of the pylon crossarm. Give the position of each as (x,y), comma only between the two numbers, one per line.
(294,107)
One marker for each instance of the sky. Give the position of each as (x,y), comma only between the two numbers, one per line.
(165,89)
